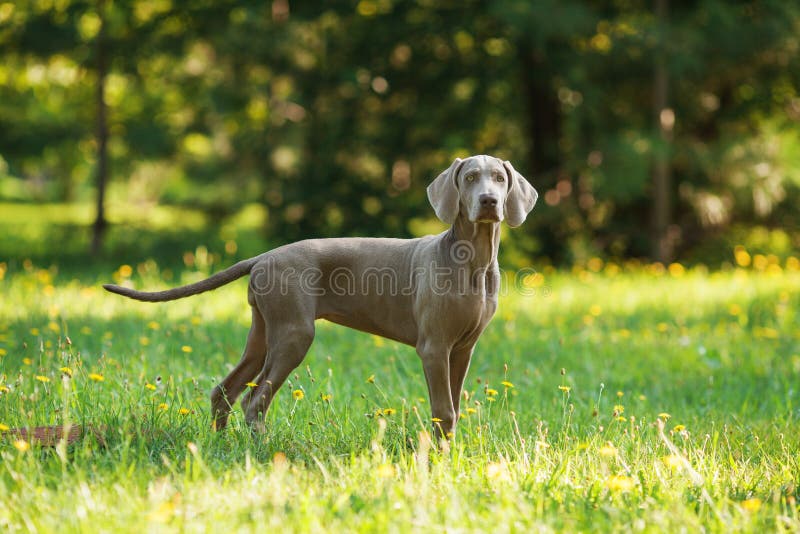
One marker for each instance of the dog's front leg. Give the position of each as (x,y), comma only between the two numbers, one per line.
(435,362)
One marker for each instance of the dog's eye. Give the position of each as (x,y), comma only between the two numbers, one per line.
(500,178)
(471,177)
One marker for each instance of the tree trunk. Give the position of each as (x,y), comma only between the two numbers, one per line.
(101,133)
(663,245)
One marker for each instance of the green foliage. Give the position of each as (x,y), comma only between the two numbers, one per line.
(335,115)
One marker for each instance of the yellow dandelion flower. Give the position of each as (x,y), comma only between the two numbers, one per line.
(326,397)
(621,419)
(679,428)
(125,271)
(490,399)
(251,385)
(607,450)
(389,411)
(491,392)
(620,483)
(96,377)
(150,386)
(3,352)
(595,310)
(3,427)
(565,389)
(163,407)
(436,420)
(371,379)
(152,325)
(620,409)
(34,331)
(54,327)
(385,471)
(184,411)
(186,348)
(664,416)
(742,256)
(27,361)
(144,341)
(471,410)
(21,445)
(298,394)
(507,384)
(66,370)
(620,394)
(196,320)
(752,505)
(4,389)
(42,378)
(672,460)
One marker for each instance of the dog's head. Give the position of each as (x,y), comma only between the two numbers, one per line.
(483,189)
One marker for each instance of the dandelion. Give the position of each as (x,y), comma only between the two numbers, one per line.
(96,377)
(619,409)
(3,352)
(664,416)
(620,483)
(621,419)
(251,385)
(389,411)
(752,505)
(27,361)
(144,341)
(184,411)
(679,428)
(436,420)
(595,310)
(371,379)
(163,407)
(3,428)
(186,348)
(662,327)
(620,394)
(672,460)
(66,370)
(507,384)
(150,386)
(4,389)
(42,378)
(54,326)
(565,389)
(21,445)
(125,271)
(608,450)
(491,392)
(152,325)
(298,394)
(385,471)
(326,397)
(471,410)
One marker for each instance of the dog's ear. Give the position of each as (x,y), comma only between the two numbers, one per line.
(520,199)
(443,193)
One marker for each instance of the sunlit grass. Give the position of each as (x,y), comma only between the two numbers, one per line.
(560,424)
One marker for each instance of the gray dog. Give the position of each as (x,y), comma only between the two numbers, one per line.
(436,293)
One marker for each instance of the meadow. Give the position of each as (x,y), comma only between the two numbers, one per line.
(609,397)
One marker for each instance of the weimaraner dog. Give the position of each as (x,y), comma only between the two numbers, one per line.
(436,293)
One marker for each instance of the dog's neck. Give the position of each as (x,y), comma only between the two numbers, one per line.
(484,240)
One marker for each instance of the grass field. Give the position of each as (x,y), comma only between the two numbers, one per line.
(561,431)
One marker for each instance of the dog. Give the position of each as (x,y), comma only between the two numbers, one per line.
(442,291)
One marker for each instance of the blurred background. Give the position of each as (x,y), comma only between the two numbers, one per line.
(659,130)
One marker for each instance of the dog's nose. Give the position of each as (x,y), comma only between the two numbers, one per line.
(487,201)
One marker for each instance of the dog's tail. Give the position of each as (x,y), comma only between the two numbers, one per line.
(219,279)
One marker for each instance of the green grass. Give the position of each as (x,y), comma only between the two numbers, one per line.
(574,445)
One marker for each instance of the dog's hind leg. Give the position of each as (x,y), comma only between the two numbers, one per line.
(287,349)
(225,393)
